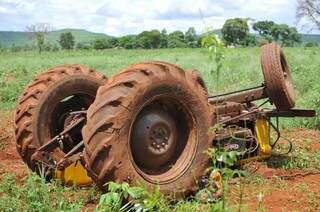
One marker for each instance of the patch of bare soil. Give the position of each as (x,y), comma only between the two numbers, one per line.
(275,189)
(297,194)
(278,189)
(287,190)
(10,161)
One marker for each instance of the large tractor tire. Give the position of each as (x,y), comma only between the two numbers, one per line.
(149,124)
(277,76)
(43,109)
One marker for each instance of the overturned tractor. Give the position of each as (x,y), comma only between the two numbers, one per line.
(149,123)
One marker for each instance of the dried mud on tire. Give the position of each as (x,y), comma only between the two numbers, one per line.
(277,76)
(109,119)
(37,99)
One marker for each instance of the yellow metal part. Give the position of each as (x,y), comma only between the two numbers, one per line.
(74,174)
(261,130)
(265,150)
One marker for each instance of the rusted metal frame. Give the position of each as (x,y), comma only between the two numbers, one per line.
(71,156)
(226,110)
(241,96)
(56,141)
(291,113)
(242,115)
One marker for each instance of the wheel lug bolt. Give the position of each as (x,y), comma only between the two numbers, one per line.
(158,146)
(163,144)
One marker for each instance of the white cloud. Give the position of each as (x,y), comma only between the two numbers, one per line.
(4,10)
(118,17)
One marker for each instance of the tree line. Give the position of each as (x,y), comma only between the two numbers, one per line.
(235,32)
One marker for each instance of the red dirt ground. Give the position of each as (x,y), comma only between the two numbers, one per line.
(10,161)
(297,191)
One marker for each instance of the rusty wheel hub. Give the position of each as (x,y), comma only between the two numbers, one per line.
(154,138)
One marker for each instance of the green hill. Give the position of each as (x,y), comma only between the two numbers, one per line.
(8,38)
(310,38)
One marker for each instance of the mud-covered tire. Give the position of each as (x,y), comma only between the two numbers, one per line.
(107,134)
(37,100)
(277,76)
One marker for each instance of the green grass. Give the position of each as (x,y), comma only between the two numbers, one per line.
(241,70)
(34,194)
(301,157)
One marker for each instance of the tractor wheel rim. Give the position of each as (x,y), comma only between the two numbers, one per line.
(178,123)
(154,139)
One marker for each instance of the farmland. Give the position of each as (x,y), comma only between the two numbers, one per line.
(241,69)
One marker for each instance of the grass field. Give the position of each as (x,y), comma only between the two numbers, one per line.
(241,70)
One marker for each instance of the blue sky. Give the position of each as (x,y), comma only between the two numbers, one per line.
(119,17)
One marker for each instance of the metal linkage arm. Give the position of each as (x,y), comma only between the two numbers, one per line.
(291,113)
(241,96)
(55,142)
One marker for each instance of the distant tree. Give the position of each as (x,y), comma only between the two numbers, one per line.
(164,39)
(249,40)
(191,37)
(66,40)
(177,34)
(40,41)
(264,28)
(114,42)
(235,30)
(149,39)
(288,36)
(101,43)
(55,47)
(48,46)
(262,41)
(176,40)
(38,32)
(310,10)
(294,37)
(84,46)
(129,42)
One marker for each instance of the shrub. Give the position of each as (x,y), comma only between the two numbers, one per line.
(101,43)
(311,44)
(84,46)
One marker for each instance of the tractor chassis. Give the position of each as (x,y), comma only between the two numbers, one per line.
(228,110)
